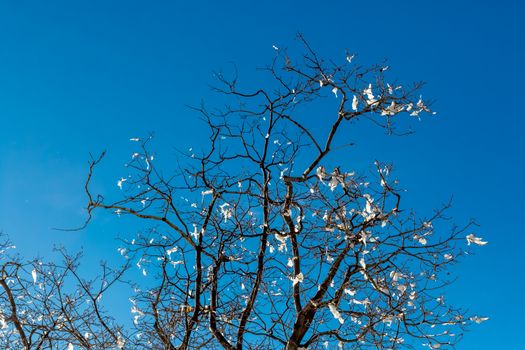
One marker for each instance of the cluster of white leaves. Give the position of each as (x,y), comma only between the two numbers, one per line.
(321,173)
(136,312)
(336,313)
(396,275)
(171,250)
(120,342)
(373,101)
(334,179)
(355,103)
(282,242)
(370,211)
(478,319)
(422,236)
(205,193)
(393,109)
(421,239)
(195,232)
(365,302)
(121,182)
(329,258)
(226,211)
(448,256)
(299,278)
(389,319)
(369,96)
(476,240)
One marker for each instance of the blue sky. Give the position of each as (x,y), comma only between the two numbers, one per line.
(82,77)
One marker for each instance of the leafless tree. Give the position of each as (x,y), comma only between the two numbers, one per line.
(47,305)
(263,239)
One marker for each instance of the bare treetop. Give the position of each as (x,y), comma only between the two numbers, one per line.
(262,239)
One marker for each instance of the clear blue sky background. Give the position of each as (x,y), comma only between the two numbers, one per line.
(82,77)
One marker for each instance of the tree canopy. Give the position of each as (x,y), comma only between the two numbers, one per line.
(262,238)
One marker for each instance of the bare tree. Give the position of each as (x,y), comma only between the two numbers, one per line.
(47,305)
(254,243)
